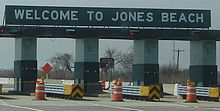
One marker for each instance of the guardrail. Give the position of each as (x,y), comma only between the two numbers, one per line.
(147,93)
(131,90)
(68,91)
(202,93)
(54,88)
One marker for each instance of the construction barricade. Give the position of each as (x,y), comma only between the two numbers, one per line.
(214,93)
(75,91)
(154,92)
(102,82)
(105,84)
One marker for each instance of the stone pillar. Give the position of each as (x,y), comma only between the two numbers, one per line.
(25,65)
(146,67)
(86,64)
(203,68)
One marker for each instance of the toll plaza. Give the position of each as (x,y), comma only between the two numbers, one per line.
(87,25)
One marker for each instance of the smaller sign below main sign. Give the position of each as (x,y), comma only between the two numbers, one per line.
(47,68)
(107,62)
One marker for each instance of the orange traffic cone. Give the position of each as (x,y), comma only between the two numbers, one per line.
(117,91)
(191,92)
(39,91)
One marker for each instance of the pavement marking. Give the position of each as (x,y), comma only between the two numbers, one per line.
(216,109)
(116,107)
(20,107)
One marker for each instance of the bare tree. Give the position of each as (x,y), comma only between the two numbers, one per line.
(113,53)
(62,64)
(63,61)
(127,59)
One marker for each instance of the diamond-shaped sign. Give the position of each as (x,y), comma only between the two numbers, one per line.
(47,68)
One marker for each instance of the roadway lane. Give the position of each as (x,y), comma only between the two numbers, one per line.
(25,103)
(8,107)
(101,107)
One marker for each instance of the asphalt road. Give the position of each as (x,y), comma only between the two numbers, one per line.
(26,103)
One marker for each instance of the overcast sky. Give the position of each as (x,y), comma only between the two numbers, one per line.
(49,47)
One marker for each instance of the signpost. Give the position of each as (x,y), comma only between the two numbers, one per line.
(90,16)
(107,63)
(47,69)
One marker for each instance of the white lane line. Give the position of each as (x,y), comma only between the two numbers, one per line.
(20,107)
(116,107)
(216,109)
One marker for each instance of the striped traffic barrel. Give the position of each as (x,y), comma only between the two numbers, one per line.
(40,91)
(191,93)
(117,91)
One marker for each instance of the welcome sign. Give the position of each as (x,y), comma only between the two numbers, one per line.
(87,16)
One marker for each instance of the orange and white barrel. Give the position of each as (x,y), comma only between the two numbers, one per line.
(40,91)
(117,91)
(191,93)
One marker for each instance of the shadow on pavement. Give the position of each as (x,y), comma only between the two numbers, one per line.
(3,97)
(85,100)
(55,99)
(165,101)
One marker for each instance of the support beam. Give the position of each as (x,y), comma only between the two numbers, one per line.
(203,68)
(25,65)
(86,64)
(146,67)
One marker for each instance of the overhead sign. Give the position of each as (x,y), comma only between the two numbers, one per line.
(87,16)
(47,68)
(107,62)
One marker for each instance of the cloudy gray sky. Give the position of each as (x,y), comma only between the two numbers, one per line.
(49,47)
